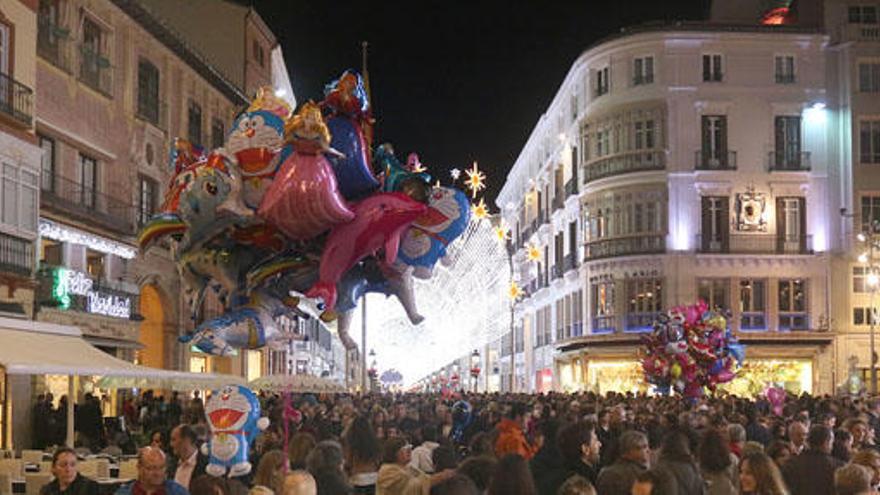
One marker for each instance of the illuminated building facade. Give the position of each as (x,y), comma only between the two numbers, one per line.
(695,160)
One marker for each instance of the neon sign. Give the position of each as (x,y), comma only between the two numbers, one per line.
(69,282)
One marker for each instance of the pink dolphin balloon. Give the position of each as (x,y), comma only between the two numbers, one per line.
(379,222)
(304,199)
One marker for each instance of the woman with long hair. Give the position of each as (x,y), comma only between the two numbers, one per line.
(758,475)
(362,454)
(270,471)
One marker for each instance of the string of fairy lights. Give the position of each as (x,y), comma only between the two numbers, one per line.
(466,303)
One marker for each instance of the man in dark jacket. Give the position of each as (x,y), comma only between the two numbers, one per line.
(187,463)
(618,478)
(812,472)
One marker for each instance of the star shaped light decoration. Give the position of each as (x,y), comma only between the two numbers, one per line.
(514,291)
(502,233)
(533,253)
(455,173)
(480,211)
(476,180)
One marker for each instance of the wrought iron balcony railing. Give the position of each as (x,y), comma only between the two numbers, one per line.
(715,160)
(755,244)
(788,161)
(86,203)
(16,100)
(16,255)
(625,246)
(624,163)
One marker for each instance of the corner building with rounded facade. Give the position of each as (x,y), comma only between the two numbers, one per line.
(683,162)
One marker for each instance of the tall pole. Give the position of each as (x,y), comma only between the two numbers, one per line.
(873,359)
(364,343)
(510,253)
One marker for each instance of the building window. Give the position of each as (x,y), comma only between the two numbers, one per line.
(194,123)
(753,304)
(94,67)
(50,33)
(644,298)
(603,142)
(95,264)
(218,133)
(869,77)
(148,91)
(88,178)
(603,84)
(259,53)
(147,199)
(791,225)
(51,252)
(47,180)
(860,282)
(787,154)
(712,71)
(713,142)
(862,316)
(784,69)
(560,319)
(793,305)
(603,307)
(538,328)
(578,307)
(869,141)
(715,291)
(644,135)
(643,70)
(519,342)
(715,223)
(870,212)
(18,197)
(863,14)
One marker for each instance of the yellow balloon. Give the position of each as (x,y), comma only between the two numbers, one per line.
(675,370)
(717,322)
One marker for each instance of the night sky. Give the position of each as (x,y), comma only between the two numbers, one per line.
(453,81)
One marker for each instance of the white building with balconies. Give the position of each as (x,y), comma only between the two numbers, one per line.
(682,162)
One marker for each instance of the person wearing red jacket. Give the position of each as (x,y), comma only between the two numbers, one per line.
(511,438)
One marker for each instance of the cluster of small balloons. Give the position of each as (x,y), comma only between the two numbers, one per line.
(691,349)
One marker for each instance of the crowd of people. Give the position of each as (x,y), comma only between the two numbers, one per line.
(511,444)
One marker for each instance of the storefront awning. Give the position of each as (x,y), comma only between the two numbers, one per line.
(36,348)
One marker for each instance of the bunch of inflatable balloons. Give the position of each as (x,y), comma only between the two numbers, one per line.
(299,209)
(690,350)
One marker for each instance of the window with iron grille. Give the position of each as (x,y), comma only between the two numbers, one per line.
(792,296)
(643,70)
(784,69)
(862,14)
(869,77)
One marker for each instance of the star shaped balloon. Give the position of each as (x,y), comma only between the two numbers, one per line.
(502,233)
(514,292)
(455,173)
(476,180)
(533,253)
(480,210)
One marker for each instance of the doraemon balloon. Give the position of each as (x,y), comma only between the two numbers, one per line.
(255,141)
(233,414)
(426,241)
